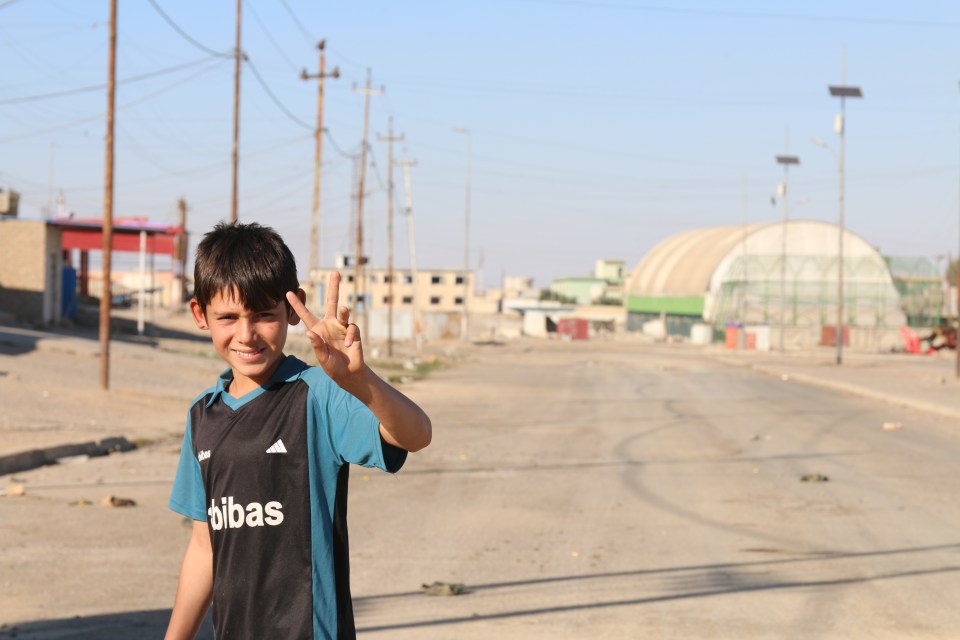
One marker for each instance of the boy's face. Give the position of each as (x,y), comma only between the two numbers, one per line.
(251,342)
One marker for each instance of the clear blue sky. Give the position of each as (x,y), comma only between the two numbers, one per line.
(599,128)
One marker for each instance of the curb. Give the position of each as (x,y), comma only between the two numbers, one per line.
(845,387)
(27,460)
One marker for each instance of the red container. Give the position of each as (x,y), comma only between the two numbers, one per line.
(573,328)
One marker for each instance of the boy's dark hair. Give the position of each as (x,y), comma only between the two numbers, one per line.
(249,260)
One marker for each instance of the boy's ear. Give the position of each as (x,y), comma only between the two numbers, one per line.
(294,318)
(199,317)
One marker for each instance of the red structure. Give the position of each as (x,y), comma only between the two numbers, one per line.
(86,234)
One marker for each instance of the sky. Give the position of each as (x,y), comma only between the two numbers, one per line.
(597,129)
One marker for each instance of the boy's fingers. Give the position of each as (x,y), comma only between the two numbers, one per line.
(344,316)
(333,295)
(308,318)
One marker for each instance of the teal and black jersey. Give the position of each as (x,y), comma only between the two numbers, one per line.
(268,473)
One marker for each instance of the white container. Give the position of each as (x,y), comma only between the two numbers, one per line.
(701,334)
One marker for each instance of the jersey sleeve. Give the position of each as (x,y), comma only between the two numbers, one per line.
(354,431)
(188,496)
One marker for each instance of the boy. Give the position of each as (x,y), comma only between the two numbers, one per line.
(264,465)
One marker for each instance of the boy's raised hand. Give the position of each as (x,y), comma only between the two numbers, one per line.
(335,341)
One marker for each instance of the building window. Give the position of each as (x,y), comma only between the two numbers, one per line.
(373,279)
(435,300)
(386,299)
(436,279)
(407,279)
(458,300)
(407,299)
(349,278)
(459,279)
(386,279)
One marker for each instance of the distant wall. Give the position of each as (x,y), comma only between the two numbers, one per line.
(31,264)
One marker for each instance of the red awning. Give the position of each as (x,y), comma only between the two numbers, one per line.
(87,235)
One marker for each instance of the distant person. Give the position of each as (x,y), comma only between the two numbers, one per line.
(266,452)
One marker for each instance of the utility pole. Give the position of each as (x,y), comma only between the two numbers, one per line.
(367,92)
(786,161)
(317,159)
(237,55)
(106,295)
(181,250)
(465,318)
(412,243)
(390,138)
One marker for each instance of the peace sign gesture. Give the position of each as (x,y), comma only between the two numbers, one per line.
(335,341)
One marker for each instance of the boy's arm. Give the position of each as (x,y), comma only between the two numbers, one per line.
(195,588)
(336,344)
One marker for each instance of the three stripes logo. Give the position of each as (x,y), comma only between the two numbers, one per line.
(277,447)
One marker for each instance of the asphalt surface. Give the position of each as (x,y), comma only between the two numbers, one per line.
(577,490)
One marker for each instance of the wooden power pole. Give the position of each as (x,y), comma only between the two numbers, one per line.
(237,59)
(106,296)
(181,248)
(317,160)
(367,92)
(390,138)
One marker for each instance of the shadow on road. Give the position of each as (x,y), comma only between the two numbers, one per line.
(689,582)
(132,625)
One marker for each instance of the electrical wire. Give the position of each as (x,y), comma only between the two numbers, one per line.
(126,105)
(273,97)
(303,30)
(185,35)
(98,87)
(276,46)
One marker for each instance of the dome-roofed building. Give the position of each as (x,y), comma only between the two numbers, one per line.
(737,274)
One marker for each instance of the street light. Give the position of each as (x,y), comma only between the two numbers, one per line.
(465,319)
(786,161)
(842,91)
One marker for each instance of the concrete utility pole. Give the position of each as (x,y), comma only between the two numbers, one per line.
(367,92)
(786,161)
(317,160)
(842,91)
(465,320)
(106,296)
(412,244)
(390,138)
(237,55)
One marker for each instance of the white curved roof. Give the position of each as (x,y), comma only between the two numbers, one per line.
(687,263)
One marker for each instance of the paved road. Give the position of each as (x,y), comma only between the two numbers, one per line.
(605,490)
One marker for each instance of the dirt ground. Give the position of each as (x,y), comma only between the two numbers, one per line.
(593,490)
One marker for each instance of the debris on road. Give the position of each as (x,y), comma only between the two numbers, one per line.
(814,477)
(444,589)
(892,426)
(14,490)
(114,501)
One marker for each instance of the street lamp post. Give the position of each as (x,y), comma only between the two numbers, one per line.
(786,161)
(842,91)
(465,318)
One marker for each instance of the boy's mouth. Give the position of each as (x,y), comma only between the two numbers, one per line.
(247,355)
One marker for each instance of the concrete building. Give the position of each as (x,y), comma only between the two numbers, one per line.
(438,296)
(772,275)
(31,265)
(605,284)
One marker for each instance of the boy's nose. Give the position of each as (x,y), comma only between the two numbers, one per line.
(245,330)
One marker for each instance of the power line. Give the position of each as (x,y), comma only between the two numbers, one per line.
(150,96)
(185,35)
(303,30)
(273,97)
(747,14)
(98,87)
(266,32)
